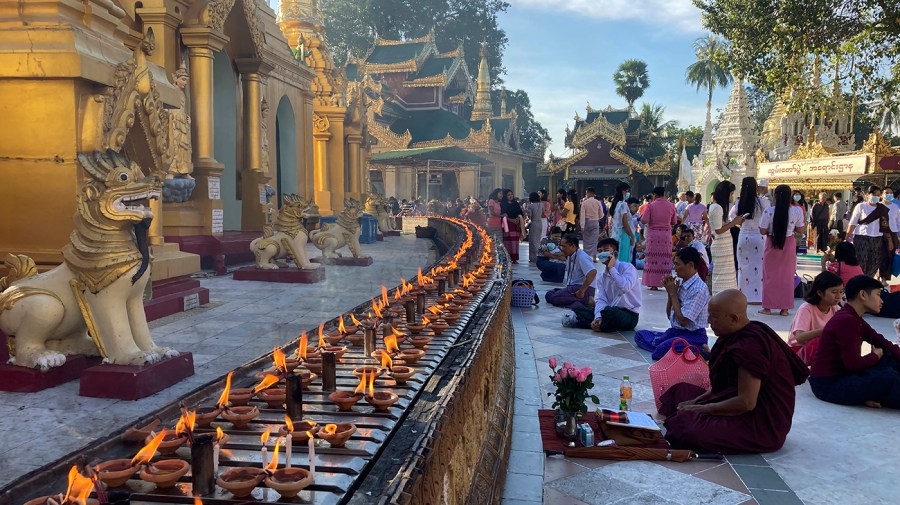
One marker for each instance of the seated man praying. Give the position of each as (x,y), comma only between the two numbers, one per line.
(686,307)
(753,375)
(687,239)
(551,261)
(840,373)
(580,275)
(618,298)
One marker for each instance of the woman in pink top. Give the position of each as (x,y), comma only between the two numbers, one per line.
(845,264)
(659,218)
(818,309)
(494,210)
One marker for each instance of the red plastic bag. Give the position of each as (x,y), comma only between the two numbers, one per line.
(685,366)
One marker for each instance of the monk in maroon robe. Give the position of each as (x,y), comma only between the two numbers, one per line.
(753,374)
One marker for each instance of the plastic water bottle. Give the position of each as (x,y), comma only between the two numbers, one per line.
(624,394)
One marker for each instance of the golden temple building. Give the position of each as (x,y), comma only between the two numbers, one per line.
(432,128)
(236,102)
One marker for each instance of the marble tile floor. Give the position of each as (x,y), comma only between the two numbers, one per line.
(243,320)
(833,455)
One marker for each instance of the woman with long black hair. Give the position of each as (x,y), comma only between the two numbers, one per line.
(512,211)
(751,243)
(620,228)
(722,248)
(780,223)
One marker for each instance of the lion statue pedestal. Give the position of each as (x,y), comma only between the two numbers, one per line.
(344,232)
(285,240)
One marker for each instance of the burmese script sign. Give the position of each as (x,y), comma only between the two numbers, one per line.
(820,167)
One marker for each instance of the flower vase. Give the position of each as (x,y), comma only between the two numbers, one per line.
(571,428)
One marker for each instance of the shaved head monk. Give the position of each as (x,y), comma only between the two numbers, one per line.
(753,374)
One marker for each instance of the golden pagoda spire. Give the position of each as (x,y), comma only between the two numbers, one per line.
(483,108)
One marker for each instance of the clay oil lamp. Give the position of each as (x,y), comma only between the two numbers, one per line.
(420,341)
(298,433)
(171,442)
(206,415)
(240,482)
(415,329)
(381,400)
(368,369)
(462,294)
(345,400)
(303,351)
(283,364)
(411,356)
(77,492)
(163,473)
(241,415)
(400,373)
(439,326)
(240,396)
(116,472)
(338,350)
(399,336)
(306,378)
(314,365)
(337,434)
(286,481)
(140,433)
(451,317)
(348,330)
(273,397)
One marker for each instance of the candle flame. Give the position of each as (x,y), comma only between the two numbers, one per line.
(376,308)
(361,388)
(288,424)
(186,423)
(386,361)
(425,320)
(301,349)
(330,429)
(390,342)
(280,359)
(264,438)
(341,327)
(220,434)
(322,335)
(79,488)
(355,320)
(223,399)
(198,501)
(434,310)
(419,278)
(273,464)
(144,455)
(372,385)
(268,381)
(384,296)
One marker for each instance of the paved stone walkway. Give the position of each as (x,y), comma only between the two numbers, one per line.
(244,320)
(833,455)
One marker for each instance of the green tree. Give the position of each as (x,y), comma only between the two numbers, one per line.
(708,71)
(631,80)
(533,137)
(352,25)
(857,42)
(761,104)
(655,128)
(691,136)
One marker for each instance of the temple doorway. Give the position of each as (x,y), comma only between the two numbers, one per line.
(225,137)
(285,149)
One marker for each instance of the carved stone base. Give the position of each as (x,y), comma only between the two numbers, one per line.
(286,275)
(345,262)
(392,233)
(19,379)
(172,296)
(132,382)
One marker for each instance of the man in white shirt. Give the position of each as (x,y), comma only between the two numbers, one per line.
(892,240)
(591,212)
(618,298)
(580,275)
(864,230)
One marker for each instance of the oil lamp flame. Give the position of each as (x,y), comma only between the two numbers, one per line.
(372,385)
(386,361)
(390,342)
(268,381)
(186,423)
(144,455)
(330,429)
(384,296)
(264,438)
(322,343)
(223,399)
(301,348)
(280,360)
(341,327)
(377,309)
(288,424)
(434,310)
(419,278)
(361,388)
(198,501)
(273,465)
(79,488)
(425,320)
(220,434)
(355,320)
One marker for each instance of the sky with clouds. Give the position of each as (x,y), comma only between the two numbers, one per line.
(564,53)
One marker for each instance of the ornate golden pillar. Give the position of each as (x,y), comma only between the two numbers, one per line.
(165,29)
(354,149)
(321,138)
(253,175)
(203,43)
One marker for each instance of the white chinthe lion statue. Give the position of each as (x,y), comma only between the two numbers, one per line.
(345,232)
(93,303)
(288,237)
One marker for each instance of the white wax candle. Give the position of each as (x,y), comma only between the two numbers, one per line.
(265,456)
(216,449)
(287,450)
(312,459)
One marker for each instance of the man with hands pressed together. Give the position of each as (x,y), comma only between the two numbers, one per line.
(580,275)
(618,298)
(686,307)
(753,374)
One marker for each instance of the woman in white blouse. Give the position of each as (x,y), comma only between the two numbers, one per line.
(779,223)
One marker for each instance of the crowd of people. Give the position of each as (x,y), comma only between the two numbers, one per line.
(713,261)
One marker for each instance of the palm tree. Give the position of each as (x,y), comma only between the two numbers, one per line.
(707,71)
(631,80)
(655,128)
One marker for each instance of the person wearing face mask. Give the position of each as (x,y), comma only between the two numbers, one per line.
(890,238)
(686,308)
(724,274)
(620,228)
(618,298)
(818,220)
(779,224)
(867,224)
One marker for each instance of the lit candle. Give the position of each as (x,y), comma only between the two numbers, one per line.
(216,458)
(264,453)
(312,456)
(287,450)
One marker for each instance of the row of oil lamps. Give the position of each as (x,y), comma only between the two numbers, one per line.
(452,284)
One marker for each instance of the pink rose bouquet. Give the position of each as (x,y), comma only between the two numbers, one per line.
(572,386)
